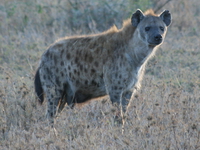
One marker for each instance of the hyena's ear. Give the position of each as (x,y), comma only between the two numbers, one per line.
(137,17)
(166,17)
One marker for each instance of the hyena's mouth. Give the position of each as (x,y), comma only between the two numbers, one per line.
(155,43)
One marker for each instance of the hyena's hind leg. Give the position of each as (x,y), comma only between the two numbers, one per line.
(53,95)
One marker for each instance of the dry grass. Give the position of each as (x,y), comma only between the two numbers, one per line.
(165,114)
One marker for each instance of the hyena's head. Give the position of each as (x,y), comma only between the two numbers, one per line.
(151,28)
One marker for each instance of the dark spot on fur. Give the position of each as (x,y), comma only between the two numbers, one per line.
(120,88)
(86,82)
(44,77)
(51,103)
(61,54)
(48,72)
(96,64)
(116,68)
(62,74)
(93,82)
(57,81)
(85,70)
(68,56)
(56,69)
(49,78)
(113,60)
(73,78)
(70,75)
(51,56)
(116,75)
(90,59)
(48,86)
(86,56)
(93,71)
(115,97)
(81,67)
(62,63)
(119,82)
(121,64)
(76,60)
(115,87)
(75,71)
(78,73)
(55,60)
(60,91)
(120,76)
(77,82)
(69,68)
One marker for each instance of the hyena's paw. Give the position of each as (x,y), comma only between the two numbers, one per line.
(50,120)
(118,121)
(116,115)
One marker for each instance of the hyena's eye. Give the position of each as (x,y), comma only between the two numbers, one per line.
(147,28)
(161,28)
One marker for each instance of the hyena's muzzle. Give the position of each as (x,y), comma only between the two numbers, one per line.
(155,37)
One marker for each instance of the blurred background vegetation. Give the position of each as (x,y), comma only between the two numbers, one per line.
(165,115)
(85,15)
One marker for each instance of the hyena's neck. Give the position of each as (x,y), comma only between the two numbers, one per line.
(138,50)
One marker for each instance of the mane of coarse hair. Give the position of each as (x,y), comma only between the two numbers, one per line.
(121,35)
(150,12)
(127,30)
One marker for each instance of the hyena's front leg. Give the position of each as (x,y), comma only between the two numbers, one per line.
(115,95)
(115,98)
(126,97)
(114,87)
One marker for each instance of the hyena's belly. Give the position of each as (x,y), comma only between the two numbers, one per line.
(87,92)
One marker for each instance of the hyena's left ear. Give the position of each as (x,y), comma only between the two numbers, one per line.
(137,17)
(166,17)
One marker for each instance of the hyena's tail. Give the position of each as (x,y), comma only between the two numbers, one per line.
(38,87)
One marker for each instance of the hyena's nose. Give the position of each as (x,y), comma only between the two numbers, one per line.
(158,38)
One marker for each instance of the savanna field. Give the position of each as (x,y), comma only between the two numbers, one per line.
(164,114)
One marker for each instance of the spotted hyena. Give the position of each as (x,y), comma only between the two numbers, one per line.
(79,68)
